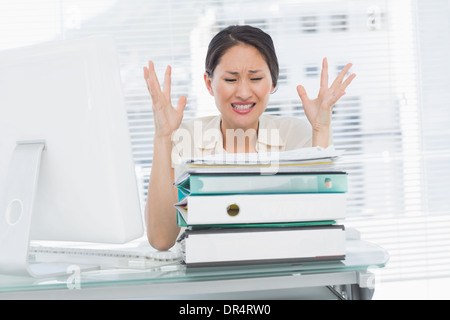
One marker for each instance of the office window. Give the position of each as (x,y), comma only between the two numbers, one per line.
(374,18)
(309,24)
(312,71)
(259,23)
(393,121)
(283,75)
(338,22)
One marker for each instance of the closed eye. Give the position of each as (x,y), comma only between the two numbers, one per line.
(256,79)
(230,80)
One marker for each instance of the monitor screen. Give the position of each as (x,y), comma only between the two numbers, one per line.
(68,94)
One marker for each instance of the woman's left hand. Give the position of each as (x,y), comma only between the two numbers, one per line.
(319,110)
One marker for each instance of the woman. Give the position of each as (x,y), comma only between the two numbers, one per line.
(241,73)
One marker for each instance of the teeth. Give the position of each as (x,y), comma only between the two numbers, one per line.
(242,106)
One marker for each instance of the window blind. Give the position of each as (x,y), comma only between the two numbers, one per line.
(393,121)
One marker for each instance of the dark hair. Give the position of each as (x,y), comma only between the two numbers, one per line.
(234,35)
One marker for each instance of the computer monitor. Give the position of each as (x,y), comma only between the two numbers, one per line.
(66,166)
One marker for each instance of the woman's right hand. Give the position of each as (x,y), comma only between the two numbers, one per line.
(167,119)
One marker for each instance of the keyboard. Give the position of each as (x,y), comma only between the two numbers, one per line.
(134,255)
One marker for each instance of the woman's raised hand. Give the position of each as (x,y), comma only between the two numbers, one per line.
(167,118)
(319,110)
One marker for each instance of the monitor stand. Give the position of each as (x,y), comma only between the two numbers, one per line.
(16,209)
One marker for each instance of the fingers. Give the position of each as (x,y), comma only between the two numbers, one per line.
(149,73)
(167,82)
(146,74)
(146,77)
(324,75)
(302,93)
(335,97)
(152,81)
(348,81)
(340,77)
(181,104)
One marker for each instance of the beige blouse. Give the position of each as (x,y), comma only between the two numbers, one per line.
(202,136)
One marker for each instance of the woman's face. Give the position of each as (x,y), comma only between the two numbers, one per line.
(241,86)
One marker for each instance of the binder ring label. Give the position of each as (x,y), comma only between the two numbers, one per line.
(233,210)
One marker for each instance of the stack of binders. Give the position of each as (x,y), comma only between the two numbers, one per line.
(239,213)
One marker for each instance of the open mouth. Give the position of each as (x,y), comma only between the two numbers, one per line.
(243,108)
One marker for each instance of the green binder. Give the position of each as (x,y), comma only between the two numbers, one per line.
(323,182)
(182,223)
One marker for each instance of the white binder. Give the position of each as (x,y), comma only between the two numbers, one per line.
(262,208)
(235,246)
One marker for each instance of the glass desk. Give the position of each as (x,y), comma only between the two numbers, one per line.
(352,278)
